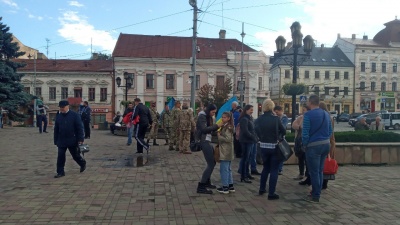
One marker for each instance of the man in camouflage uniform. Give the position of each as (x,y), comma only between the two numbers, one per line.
(167,124)
(155,116)
(185,125)
(174,131)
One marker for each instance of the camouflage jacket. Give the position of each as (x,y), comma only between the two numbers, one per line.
(155,116)
(174,115)
(167,119)
(186,120)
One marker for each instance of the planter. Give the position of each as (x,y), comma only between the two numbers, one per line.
(294,89)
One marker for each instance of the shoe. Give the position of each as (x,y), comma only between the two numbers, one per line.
(177,149)
(305,182)
(83,168)
(155,143)
(223,190)
(311,199)
(209,185)
(138,153)
(166,143)
(250,177)
(87,137)
(128,144)
(201,189)
(245,180)
(171,148)
(273,197)
(45,132)
(255,172)
(262,192)
(187,152)
(299,177)
(280,173)
(231,188)
(58,175)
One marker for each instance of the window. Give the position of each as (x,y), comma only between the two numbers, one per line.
(336,91)
(38,91)
(346,75)
(52,93)
(394,86)
(92,94)
(337,75)
(346,91)
(316,74)
(78,92)
(383,67)
(27,90)
(306,74)
(394,67)
(326,90)
(383,86)
(373,67)
(150,81)
(170,81)
(316,90)
(326,74)
(362,66)
(197,82)
(220,82)
(362,86)
(64,93)
(373,86)
(103,94)
(287,73)
(260,83)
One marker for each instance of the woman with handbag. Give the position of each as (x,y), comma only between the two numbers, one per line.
(226,153)
(247,139)
(269,130)
(299,149)
(204,127)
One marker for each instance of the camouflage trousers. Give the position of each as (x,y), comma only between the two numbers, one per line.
(174,136)
(153,131)
(184,140)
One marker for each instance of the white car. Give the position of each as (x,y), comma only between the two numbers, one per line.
(333,114)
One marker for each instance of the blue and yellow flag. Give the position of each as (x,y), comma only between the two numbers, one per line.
(225,108)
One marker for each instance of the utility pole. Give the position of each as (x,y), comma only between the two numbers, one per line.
(47,47)
(241,85)
(193,3)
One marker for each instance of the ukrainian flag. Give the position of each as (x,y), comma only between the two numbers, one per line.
(225,108)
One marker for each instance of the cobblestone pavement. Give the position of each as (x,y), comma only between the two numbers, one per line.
(164,191)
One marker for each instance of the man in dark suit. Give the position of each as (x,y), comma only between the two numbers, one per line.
(68,134)
(86,117)
(140,129)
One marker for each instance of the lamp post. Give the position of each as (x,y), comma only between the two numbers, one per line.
(128,83)
(193,3)
(34,88)
(241,71)
(297,37)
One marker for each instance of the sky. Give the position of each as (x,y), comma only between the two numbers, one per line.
(74,29)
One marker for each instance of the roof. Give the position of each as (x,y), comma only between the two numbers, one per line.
(391,33)
(320,56)
(66,65)
(361,42)
(150,46)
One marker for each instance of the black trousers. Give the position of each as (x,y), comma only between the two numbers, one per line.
(302,163)
(140,132)
(42,120)
(61,158)
(86,126)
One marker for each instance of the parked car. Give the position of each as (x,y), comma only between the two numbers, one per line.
(344,117)
(368,118)
(391,120)
(333,114)
(289,125)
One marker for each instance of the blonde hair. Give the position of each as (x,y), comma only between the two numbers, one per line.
(268,105)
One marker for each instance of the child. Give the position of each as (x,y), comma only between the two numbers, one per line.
(225,141)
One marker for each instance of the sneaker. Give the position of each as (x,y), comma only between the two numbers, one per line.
(309,198)
(231,189)
(223,190)
(280,173)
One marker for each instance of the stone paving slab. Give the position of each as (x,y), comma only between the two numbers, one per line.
(164,191)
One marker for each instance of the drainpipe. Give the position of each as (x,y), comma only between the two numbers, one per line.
(113,89)
(280,86)
(234,73)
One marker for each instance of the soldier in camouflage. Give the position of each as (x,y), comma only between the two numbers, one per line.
(186,125)
(167,124)
(174,131)
(155,116)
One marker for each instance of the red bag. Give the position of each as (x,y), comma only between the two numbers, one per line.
(136,120)
(330,166)
(127,118)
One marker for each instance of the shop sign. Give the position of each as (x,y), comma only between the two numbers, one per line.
(388,94)
(97,110)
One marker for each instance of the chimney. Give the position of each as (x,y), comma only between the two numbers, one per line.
(338,35)
(222,34)
(322,46)
(95,56)
(353,36)
(39,55)
(365,37)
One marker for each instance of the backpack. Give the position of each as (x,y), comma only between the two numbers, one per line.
(237,131)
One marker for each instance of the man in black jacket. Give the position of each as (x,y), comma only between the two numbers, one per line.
(68,133)
(86,117)
(144,121)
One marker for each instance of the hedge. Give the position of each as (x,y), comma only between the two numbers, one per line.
(360,136)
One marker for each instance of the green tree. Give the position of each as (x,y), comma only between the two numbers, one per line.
(101,56)
(12,95)
(215,95)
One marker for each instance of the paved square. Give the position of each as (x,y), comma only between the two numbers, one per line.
(164,191)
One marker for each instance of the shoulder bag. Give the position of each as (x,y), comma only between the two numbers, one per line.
(285,151)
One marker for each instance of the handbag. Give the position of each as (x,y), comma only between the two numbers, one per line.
(330,166)
(299,149)
(283,146)
(83,148)
(216,153)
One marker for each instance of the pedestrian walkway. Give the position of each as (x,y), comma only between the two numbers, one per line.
(164,191)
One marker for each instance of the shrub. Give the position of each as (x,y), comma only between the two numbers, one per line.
(360,136)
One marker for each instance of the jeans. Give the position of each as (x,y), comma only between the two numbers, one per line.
(302,163)
(1,121)
(226,173)
(42,119)
(130,134)
(208,152)
(252,159)
(316,156)
(61,158)
(281,167)
(86,126)
(271,164)
(244,161)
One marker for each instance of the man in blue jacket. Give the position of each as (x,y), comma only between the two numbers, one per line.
(68,134)
(317,130)
(86,117)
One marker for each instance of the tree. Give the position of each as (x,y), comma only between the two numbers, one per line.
(205,94)
(215,95)
(101,56)
(12,95)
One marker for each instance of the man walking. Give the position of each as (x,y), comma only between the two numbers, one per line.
(68,134)
(167,125)
(42,118)
(317,129)
(86,117)
(140,128)
(155,116)
(185,125)
(129,130)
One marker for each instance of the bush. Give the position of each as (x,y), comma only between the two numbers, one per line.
(360,136)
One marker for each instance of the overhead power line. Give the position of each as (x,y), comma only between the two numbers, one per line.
(257,6)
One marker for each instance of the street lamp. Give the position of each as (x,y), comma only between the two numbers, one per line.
(128,77)
(297,37)
(241,84)
(34,88)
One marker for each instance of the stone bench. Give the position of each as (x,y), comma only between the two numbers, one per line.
(122,131)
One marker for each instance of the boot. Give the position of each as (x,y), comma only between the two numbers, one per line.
(209,185)
(201,189)
(166,142)
(155,142)
(148,140)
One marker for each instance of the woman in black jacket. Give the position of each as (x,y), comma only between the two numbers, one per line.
(269,130)
(204,127)
(247,139)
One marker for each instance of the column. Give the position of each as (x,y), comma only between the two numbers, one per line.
(140,84)
(179,84)
(210,77)
(160,90)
